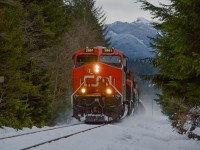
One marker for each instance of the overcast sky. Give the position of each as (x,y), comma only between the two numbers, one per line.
(125,10)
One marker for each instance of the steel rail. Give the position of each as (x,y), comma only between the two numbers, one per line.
(12,136)
(66,136)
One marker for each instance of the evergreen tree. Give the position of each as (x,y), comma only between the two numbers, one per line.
(45,24)
(28,29)
(14,110)
(92,19)
(178,58)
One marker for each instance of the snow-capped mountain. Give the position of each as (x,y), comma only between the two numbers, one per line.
(132,38)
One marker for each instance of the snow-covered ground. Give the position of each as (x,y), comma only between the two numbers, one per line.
(149,131)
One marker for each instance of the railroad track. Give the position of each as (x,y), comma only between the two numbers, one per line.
(12,136)
(34,139)
(66,136)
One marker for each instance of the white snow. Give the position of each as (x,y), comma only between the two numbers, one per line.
(197,131)
(142,20)
(148,131)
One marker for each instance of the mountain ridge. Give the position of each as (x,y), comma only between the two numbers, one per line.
(132,38)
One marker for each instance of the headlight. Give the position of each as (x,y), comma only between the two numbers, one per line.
(83,90)
(96,68)
(108,91)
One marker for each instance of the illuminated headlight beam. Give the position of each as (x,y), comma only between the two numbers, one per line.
(83,90)
(108,91)
(96,68)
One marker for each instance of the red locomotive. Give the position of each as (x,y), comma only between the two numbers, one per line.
(103,87)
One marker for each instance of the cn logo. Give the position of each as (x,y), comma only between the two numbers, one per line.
(107,81)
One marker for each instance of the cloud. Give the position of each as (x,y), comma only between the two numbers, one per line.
(124,10)
(121,10)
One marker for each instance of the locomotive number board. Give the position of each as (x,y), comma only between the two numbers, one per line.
(108,50)
(89,50)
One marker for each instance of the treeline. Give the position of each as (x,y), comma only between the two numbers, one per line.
(178,58)
(37,41)
(142,67)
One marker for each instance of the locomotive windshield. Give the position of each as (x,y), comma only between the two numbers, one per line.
(85,59)
(114,60)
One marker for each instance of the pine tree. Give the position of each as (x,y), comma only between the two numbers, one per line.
(92,19)
(178,58)
(14,110)
(28,31)
(45,24)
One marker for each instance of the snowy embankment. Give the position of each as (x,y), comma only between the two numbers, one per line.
(149,131)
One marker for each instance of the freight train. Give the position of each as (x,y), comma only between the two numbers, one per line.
(103,86)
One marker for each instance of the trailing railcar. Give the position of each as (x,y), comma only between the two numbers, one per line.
(103,87)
